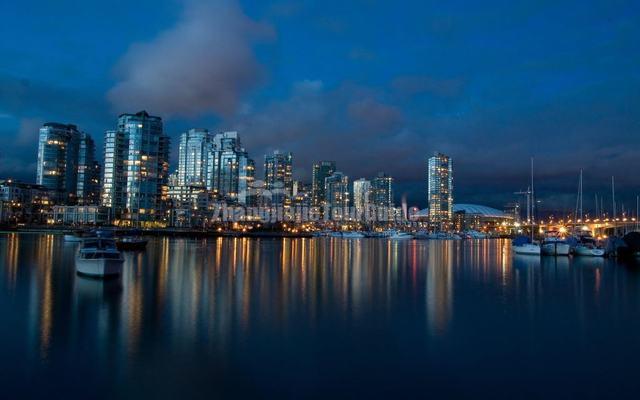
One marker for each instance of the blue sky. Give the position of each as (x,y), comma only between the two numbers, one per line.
(374,85)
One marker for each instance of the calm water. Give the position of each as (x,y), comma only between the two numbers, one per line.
(316,318)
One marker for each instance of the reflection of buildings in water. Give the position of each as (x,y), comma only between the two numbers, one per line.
(44,261)
(11,259)
(439,285)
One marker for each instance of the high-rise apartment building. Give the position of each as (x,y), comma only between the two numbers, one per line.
(278,177)
(193,156)
(361,195)
(230,171)
(88,182)
(58,160)
(136,163)
(382,190)
(337,194)
(321,170)
(440,188)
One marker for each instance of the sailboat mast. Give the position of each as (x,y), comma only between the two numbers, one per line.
(532,200)
(613,196)
(581,215)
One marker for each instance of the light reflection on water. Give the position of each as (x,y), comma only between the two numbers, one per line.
(283,316)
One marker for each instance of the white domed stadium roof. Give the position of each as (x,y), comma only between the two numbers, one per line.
(479,210)
(474,209)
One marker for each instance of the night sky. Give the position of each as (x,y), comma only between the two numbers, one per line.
(374,85)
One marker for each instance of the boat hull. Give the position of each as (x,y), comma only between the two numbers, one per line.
(588,252)
(556,249)
(99,268)
(526,249)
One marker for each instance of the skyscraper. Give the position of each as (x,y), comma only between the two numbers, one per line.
(57,168)
(278,170)
(440,188)
(337,194)
(136,168)
(230,171)
(88,186)
(193,155)
(321,170)
(382,190)
(361,195)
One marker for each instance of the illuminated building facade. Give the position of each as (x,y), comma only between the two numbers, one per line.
(278,177)
(230,171)
(361,195)
(136,168)
(337,194)
(57,165)
(321,170)
(382,190)
(193,156)
(88,187)
(440,188)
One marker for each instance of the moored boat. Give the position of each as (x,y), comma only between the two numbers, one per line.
(523,245)
(588,249)
(398,235)
(99,258)
(555,245)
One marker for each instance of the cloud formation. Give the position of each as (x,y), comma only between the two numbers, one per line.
(204,64)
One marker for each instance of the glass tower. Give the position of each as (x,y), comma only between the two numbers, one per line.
(361,195)
(57,166)
(321,170)
(195,145)
(278,177)
(136,168)
(382,190)
(230,171)
(337,194)
(88,188)
(440,188)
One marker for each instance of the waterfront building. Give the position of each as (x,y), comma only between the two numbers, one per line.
(337,194)
(382,191)
(88,186)
(230,171)
(321,170)
(193,156)
(361,195)
(79,215)
(136,163)
(479,218)
(58,160)
(440,189)
(23,202)
(278,177)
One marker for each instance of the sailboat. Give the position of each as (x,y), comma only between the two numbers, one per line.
(525,245)
(585,244)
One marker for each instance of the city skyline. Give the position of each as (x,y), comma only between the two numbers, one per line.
(489,98)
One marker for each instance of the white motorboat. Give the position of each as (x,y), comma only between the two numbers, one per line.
(553,246)
(531,249)
(98,257)
(589,250)
(524,245)
(397,235)
(472,234)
